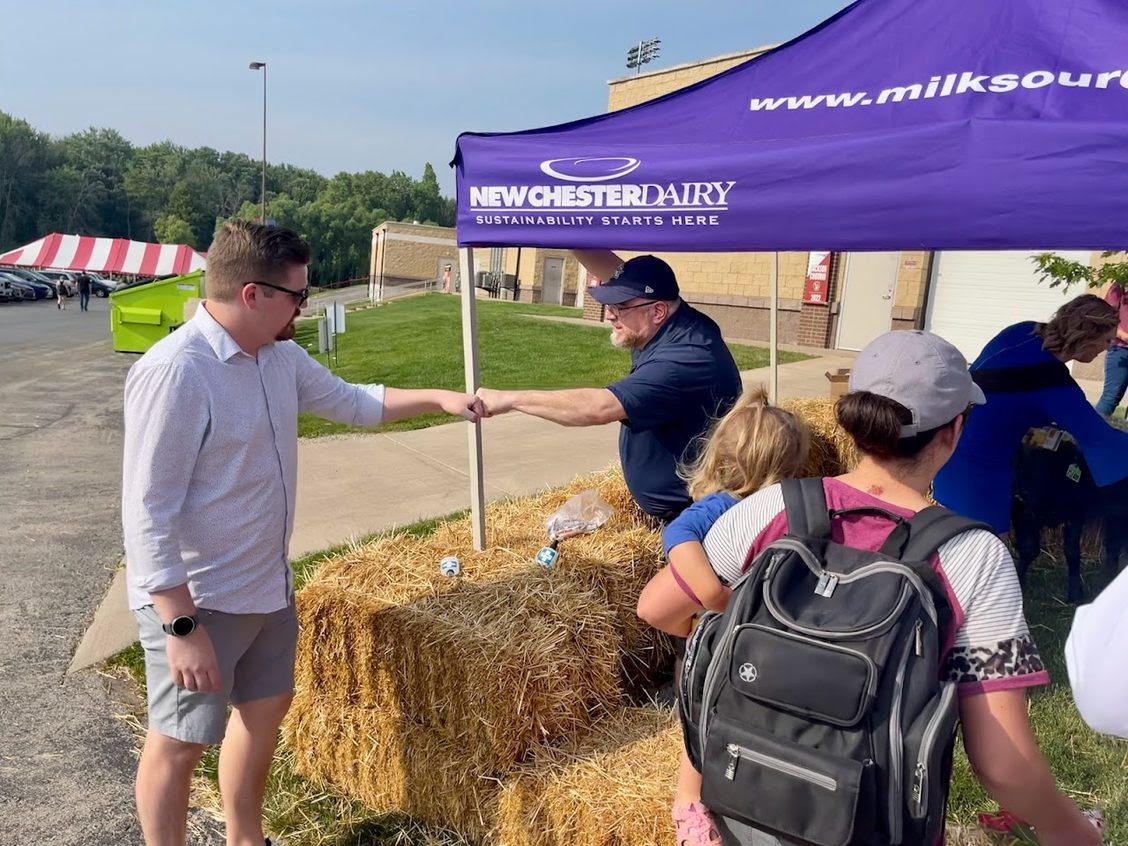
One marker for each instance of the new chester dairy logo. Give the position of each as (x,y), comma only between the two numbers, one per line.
(592,169)
(594,191)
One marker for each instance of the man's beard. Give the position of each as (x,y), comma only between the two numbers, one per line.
(625,339)
(286,333)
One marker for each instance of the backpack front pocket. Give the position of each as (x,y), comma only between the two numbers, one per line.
(822,681)
(781,787)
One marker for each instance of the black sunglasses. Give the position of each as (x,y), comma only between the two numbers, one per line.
(300,297)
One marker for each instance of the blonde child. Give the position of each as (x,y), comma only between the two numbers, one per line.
(751,447)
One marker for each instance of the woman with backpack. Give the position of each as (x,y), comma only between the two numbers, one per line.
(752,446)
(786,772)
(1023,373)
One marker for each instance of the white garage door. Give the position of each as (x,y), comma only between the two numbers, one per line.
(975,294)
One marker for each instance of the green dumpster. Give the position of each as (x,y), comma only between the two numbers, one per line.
(143,314)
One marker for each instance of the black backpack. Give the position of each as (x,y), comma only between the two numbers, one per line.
(813,704)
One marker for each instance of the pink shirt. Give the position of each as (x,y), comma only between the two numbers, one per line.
(988,646)
(1115,296)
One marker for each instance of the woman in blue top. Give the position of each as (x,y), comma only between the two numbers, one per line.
(1022,371)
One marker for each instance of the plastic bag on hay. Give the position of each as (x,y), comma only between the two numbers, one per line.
(585,512)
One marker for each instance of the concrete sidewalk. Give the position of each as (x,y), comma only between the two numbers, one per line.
(352,485)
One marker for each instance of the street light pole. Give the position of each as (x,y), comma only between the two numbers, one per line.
(262,66)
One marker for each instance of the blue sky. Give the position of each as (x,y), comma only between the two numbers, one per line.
(352,85)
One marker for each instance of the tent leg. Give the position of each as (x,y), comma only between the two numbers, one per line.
(773,333)
(473,382)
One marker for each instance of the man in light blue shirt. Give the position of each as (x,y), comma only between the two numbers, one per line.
(208,494)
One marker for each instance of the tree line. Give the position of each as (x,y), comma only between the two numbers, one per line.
(95,182)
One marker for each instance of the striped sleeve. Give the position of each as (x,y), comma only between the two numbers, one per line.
(739,530)
(993,649)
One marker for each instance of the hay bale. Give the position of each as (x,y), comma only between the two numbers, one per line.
(832,450)
(390,765)
(363,587)
(496,667)
(613,787)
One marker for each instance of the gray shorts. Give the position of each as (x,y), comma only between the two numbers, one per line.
(256,661)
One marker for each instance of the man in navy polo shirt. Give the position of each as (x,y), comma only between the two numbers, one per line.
(682,377)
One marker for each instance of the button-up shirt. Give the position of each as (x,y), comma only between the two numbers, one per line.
(210,464)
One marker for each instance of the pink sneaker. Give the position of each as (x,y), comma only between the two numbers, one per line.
(693,824)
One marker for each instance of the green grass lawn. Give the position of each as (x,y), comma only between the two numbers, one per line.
(417,343)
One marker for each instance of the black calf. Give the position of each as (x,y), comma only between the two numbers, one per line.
(1054,487)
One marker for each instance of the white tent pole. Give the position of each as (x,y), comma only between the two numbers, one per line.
(773,333)
(473,382)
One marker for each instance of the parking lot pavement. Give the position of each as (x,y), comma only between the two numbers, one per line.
(66,764)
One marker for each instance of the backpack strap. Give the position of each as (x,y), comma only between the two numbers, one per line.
(804,501)
(929,529)
(915,542)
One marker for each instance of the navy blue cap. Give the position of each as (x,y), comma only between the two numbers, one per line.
(647,277)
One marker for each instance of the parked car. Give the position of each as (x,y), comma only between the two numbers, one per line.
(40,290)
(21,290)
(7,292)
(102,287)
(33,277)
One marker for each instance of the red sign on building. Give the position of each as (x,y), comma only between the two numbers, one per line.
(818,279)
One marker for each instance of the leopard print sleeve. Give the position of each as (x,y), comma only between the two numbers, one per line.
(993,649)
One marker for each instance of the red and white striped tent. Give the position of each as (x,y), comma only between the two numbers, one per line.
(106,255)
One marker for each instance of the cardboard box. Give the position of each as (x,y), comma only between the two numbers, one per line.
(839,381)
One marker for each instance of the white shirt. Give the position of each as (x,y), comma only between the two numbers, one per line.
(210,464)
(1095,655)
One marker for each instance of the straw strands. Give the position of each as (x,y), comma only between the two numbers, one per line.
(613,786)
(507,655)
(495,667)
(832,450)
(390,764)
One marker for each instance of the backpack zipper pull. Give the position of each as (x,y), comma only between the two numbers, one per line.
(918,640)
(734,756)
(918,785)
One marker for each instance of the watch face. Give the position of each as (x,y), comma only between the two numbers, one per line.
(183,626)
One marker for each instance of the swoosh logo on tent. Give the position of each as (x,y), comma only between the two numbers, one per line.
(590,168)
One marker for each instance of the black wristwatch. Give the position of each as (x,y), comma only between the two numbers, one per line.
(182,626)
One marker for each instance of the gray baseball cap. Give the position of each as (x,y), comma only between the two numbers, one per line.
(922,372)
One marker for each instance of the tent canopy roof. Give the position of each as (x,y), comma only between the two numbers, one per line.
(105,255)
(895,124)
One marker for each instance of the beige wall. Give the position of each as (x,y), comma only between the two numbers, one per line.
(413,251)
(632,90)
(527,264)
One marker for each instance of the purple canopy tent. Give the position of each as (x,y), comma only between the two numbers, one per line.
(895,124)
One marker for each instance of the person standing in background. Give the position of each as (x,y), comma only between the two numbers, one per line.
(1116,359)
(83,292)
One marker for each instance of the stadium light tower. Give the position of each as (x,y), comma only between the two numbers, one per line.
(643,52)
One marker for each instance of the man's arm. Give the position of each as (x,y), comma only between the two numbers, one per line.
(191,659)
(600,263)
(326,394)
(568,407)
(166,420)
(400,403)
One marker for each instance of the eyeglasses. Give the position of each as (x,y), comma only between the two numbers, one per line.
(616,310)
(300,297)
